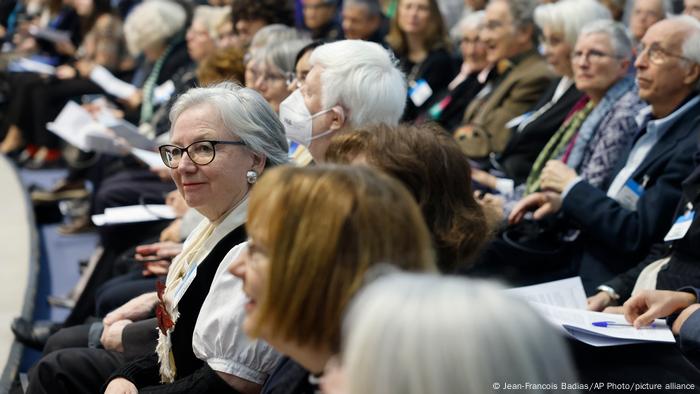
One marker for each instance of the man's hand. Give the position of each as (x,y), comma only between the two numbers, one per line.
(543,203)
(136,309)
(121,386)
(556,175)
(111,338)
(643,308)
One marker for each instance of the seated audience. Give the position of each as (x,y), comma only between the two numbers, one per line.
(351,83)
(561,24)
(249,16)
(521,77)
(275,66)
(447,106)
(692,8)
(431,165)
(619,221)
(217,153)
(300,271)
(416,333)
(418,37)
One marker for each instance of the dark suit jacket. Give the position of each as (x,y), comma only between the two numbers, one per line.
(683,268)
(523,147)
(517,92)
(615,238)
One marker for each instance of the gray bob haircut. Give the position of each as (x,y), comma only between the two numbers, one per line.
(408,333)
(569,16)
(522,12)
(276,32)
(616,32)
(244,113)
(281,55)
(364,79)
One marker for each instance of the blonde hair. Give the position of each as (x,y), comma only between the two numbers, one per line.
(325,227)
(435,35)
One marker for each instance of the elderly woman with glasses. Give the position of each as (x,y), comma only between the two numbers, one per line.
(223,137)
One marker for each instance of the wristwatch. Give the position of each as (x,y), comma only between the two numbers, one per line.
(610,291)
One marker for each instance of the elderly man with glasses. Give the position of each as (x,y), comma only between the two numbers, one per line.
(619,222)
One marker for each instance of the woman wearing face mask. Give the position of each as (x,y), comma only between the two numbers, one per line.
(276,67)
(419,38)
(300,271)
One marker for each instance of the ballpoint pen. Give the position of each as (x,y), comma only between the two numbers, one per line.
(615,324)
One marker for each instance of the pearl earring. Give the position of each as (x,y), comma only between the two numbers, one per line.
(251,176)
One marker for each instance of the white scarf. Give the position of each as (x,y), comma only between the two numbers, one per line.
(195,249)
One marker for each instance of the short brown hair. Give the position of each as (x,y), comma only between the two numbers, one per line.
(324,228)
(224,64)
(431,165)
(435,36)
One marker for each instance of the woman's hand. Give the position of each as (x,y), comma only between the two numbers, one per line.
(65,71)
(121,386)
(643,308)
(175,200)
(111,338)
(156,268)
(556,176)
(136,309)
(84,67)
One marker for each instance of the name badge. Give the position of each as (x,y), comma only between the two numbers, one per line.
(185,283)
(630,194)
(420,92)
(680,227)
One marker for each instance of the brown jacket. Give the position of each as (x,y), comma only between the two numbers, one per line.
(516,93)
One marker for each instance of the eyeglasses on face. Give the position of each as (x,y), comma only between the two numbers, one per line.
(200,152)
(656,54)
(593,56)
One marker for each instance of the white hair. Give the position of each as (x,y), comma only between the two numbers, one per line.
(273,33)
(616,32)
(244,113)
(364,79)
(569,16)
(413,333)
(152,22)
(691,43)
(211,18)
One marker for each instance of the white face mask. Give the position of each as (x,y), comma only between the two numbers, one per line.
(298,121)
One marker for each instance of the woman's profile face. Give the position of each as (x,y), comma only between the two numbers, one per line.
(272,84)
(252,267)
(214,188)
(199,43)
(413,16)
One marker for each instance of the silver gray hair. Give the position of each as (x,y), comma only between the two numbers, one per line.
(276,32)
(413,333)
(569,16)
(281,55)
(244,113)
(211,18)
(616,33)
(522,12)
(691,43)
(364,79)
(472,21)
(372,6)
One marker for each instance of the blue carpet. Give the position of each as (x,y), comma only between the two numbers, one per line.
(59,261)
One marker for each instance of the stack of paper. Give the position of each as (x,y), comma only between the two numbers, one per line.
(563,303)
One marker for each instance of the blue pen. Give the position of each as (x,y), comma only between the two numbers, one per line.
(614,324)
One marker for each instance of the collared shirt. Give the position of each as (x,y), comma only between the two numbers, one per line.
(655,129)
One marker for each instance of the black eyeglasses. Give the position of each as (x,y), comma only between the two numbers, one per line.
(200,152)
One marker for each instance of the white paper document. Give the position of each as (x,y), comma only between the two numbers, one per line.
(126,130)
(111,84)
(567,293)
(150,158)
(579,324)
(76,126)
(134,214)
(26,64)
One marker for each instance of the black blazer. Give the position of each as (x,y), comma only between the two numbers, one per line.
(522,149)
(683,268)
(614,238)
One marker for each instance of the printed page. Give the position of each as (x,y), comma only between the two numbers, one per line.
(567,293)
(150,158)
(111,84)
(134,214)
